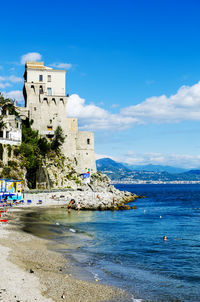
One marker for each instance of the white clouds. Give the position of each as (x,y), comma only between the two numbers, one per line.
(62,65)
(184,105)
(94,117)
(30,56)
(14,79)
(6,81)
(11,78)
(4,85)
(15,95)
(175,160)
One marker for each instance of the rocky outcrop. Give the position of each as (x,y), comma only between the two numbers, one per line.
(99,194)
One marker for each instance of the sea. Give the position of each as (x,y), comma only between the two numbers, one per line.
(126,248)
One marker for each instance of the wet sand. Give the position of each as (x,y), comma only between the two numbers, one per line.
(22,252)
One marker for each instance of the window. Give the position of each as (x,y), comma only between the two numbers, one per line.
(7,134)
(41,89)
(1,133)
(88,141)
(48,91)
(49,78)
(17,124)
(50,121)
(35,108)
(40,78)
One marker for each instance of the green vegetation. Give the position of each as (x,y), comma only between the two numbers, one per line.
(9,148)
(6,104)
(1,151)
(58,140)
(34,149)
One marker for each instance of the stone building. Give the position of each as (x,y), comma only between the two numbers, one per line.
(45,103)
(11,132)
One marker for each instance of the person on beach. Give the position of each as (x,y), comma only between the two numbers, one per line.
(69,206)
(78,207)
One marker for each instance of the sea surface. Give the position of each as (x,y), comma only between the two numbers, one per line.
(126,248)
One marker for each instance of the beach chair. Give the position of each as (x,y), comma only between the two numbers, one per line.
(22,201)
(40,201)
(29,201)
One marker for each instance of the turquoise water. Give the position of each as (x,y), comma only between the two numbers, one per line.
(126,249)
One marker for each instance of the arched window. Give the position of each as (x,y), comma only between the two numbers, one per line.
(41,89)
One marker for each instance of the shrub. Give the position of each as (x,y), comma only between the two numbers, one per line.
(58,140)
(9,148)
(12,164)
(1,151)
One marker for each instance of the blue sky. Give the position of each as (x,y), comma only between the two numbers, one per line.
(133,71)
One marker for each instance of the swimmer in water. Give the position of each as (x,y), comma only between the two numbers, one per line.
(165,238)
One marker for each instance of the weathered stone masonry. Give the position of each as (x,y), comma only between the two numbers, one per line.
(45,104)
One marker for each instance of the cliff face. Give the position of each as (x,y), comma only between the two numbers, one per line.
(11,165)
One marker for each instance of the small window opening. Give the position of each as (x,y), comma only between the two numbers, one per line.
(7,134)
(50,121)
(88,141)
(1,133)
(35,108)
(40,78)
(48,91)
(41,89)
(49,78)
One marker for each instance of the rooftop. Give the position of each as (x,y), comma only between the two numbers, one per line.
(36,65)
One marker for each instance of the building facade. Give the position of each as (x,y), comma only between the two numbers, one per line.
(11,132)
(45,103)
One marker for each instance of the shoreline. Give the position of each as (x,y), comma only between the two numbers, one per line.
(23,252)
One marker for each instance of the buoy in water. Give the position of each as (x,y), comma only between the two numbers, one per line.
(72,230)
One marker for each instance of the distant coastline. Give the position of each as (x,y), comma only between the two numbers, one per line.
(140,182)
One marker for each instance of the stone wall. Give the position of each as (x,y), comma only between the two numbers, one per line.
(49,111)
(85,152)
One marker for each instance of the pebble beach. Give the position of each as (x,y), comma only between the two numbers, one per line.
(32,272)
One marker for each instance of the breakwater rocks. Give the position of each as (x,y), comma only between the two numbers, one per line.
(99,194)
(89,200)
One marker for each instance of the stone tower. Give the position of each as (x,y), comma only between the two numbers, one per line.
(45,104)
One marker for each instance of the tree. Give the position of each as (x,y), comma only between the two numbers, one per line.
(58,140)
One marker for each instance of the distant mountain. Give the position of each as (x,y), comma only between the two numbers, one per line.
(156,168)
(196,172)
(119,172)
(112,168)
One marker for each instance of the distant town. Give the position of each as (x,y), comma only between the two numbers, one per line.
(120,173)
